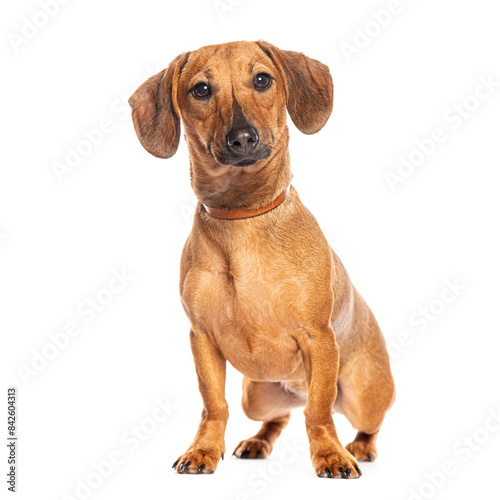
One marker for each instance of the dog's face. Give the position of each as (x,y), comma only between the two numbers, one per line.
(232,99)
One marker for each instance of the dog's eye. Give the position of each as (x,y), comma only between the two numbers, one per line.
(201,91)
(262,81)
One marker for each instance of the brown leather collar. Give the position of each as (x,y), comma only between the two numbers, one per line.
(245,213)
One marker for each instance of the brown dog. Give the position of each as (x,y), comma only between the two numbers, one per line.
(259,282)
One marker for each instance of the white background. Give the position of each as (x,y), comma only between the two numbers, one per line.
(121,208)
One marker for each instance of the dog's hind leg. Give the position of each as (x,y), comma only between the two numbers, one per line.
(364,399)
(363,446)
(366,392)
(269,403)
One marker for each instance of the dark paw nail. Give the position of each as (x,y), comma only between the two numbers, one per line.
(245,454)
(184,466)
(234,452)
(329,472)
(222,455)
(348,472)
(258,454)
(370,457)
(343,472)
(175,464)
(200,468)
(358,470)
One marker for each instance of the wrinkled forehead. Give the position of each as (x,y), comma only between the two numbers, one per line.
(219,63)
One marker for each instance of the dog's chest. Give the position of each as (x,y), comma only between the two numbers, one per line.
(246,312)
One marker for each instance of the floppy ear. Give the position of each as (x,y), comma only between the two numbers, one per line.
(309,87)
(154,111)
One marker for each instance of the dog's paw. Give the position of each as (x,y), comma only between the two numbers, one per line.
(336,464)
(362,450)
(198,461)
(253,448)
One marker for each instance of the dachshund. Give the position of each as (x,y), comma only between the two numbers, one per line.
(258,280)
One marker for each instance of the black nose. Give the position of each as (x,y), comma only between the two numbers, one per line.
(243,140)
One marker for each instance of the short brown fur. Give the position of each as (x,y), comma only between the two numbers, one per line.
(265,293)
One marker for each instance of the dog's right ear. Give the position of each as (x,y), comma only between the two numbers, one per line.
(154,110)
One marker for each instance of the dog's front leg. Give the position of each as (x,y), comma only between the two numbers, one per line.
(321,361)
(208,446)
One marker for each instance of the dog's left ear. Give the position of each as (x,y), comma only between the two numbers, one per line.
(308,85)
(154,110)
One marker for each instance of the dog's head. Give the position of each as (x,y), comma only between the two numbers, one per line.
(232,100)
